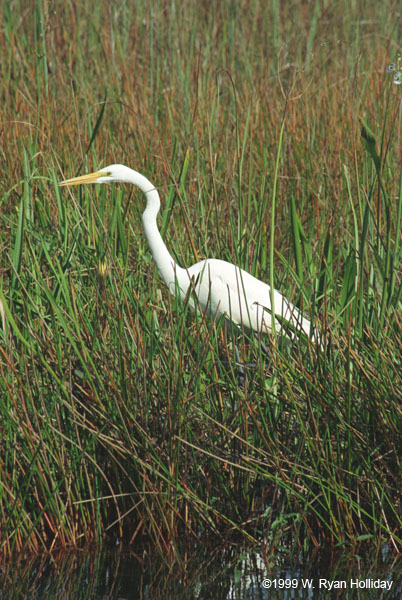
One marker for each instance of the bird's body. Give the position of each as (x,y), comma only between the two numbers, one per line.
(214,286)
(224,289)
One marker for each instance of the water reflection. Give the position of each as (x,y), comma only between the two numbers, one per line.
(200,573)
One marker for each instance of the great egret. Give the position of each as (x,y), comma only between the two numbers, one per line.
(219,287)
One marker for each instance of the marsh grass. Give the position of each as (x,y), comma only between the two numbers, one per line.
(118,415)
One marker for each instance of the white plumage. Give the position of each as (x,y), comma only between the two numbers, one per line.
(219,287)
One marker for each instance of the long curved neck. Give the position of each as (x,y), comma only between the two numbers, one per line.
(166,264)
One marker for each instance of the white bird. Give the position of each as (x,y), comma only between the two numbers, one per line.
(212,285)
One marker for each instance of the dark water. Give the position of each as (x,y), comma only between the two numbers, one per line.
(202,573)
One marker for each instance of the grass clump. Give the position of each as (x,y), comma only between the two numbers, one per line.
(117,415)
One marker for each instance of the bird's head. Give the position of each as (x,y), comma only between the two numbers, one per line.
(110,174)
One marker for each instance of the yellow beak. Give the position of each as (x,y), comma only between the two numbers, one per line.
(89,178)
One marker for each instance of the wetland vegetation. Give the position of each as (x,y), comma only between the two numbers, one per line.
(272,131)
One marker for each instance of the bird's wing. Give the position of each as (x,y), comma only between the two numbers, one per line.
(224,289)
